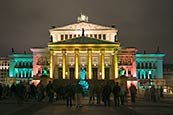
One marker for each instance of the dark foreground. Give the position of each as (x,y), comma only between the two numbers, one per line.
(141,107)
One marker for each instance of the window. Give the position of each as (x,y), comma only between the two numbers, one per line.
(100,36)
(150,66)
(70,36)
(95,35)
(91,35)
(138,65)
(129,72)
(154,65)
(74,35)
(142,65)
(66,36)
(62,37)
(146,65)
(104,36)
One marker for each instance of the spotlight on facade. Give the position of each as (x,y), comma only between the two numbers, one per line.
(60,64)
(66,73)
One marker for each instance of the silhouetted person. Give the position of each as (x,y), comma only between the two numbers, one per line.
(69,94)
(133,92)
(1,88)
(20,93)
(116,92)
(50,91)
(161,92)
(13,90)
(91,94)
(98,91)
(78,95)
(153,93)
(123,94)
(106,94)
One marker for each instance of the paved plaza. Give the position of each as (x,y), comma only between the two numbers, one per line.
(141,107)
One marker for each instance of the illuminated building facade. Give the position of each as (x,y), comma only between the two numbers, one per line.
(95,48)
(21,66)
(85,45)
(149,66)
(168,76)
(4,69)
(81,45)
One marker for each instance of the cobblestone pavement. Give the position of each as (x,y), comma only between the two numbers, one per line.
(164,106)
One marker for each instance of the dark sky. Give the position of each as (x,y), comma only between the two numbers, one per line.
(145,24)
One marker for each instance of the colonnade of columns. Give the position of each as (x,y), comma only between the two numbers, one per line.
(24,73)
(89,64)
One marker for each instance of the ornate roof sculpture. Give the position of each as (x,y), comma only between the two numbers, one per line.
(75,30)
(83,23)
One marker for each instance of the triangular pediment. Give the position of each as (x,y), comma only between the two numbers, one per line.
(85,25)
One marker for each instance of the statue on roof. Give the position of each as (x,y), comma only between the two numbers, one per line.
(12,51)
(51,39)
(82,18)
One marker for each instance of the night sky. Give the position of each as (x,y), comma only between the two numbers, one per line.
(144,24)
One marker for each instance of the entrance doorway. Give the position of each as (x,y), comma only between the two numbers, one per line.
(107,73)
(71,75)
(94,73)
(60,73)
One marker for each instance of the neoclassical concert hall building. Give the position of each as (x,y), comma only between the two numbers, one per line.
(95,48)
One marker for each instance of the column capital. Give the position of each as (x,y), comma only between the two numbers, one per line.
(64,51)
(51,51)
(76,51)
(102,51)
(115,51)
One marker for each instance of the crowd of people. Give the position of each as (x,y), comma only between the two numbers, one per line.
(72,93)
(153,94)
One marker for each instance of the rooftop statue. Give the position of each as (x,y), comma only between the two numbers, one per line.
(82,18)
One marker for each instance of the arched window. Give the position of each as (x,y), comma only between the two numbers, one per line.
(150,65)
(142,65)
(146,65)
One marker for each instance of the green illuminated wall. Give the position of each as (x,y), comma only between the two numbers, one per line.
(149,66)
(21,66)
